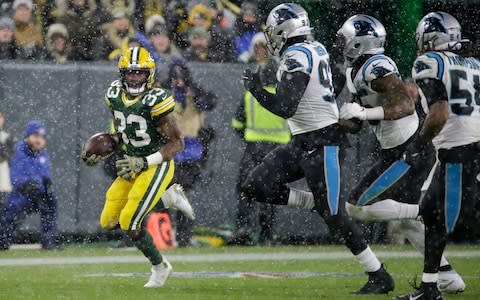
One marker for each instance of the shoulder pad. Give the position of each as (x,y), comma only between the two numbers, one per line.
(428,65)
(297,58)
(113,91)
(378,66)
(160,101)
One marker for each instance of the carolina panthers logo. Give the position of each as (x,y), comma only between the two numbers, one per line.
(363,27)
(284,14)
(292,64)
(420,66)
(433,24)
(380,71)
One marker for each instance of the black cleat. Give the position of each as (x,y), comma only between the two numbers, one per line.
(379,282)
(426,291)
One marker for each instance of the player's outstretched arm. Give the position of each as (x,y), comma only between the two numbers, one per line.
(288,94)
(169,129)
(398,103)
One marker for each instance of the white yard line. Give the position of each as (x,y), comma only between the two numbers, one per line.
(219,257)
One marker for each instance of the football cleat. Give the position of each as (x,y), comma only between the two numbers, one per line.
(379,282)
(159,274)
(175,198)
(450,282)
(426,291)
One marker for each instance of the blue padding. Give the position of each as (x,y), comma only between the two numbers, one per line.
(384,181)
(332,177)
(453,192)
(439,60)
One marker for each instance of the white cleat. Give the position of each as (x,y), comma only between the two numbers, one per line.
(174,197)
(159,275)
(450,282)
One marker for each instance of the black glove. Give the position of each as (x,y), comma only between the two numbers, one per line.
(413,153)
(251,80)
(48,186)
(31,190)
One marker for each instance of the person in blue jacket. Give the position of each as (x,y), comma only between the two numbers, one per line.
(32,189)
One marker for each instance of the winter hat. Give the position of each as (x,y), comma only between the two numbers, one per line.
(35,127)
(27,3)
(158,29)
(6,22)
(152,21)
(57,28)
(199,32)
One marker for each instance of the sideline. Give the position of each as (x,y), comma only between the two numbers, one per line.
(219,257)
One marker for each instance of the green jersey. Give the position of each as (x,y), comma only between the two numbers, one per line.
(136,119)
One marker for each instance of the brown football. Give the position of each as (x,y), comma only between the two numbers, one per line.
(103,144)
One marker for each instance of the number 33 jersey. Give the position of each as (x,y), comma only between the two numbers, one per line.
(317,108)
(136,119)
(461,78)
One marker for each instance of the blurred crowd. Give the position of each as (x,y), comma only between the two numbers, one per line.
(85,30)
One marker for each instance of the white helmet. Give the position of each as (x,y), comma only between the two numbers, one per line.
(359,35)
(439,31)
(285,21)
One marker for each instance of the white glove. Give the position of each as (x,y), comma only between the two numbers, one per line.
(353,111)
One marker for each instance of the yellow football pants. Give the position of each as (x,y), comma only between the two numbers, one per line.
(128,202)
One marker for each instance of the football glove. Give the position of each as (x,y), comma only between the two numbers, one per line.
(251,79)
(413,153)
(91,160)
(129,166)
(353,111)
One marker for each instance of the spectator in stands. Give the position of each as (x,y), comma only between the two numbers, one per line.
(114,38)
(7,147)
(162,45)
(32,189)
(176,17)
(258,50)
(8,46)
(192,102)
(127,6)
(6,7)
(200,16)
(221,33)
(58,49)
(246,28)
(199,40)
(153,8)
(28,36)
(80,18)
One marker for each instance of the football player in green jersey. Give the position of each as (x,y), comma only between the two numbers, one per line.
(151,138)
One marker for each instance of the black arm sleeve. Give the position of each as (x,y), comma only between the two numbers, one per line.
(288,94)
(433,89)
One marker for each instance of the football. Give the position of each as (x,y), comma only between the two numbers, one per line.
(103,144)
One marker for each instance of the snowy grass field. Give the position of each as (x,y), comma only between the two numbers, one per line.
(294,272)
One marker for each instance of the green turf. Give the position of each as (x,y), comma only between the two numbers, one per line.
(69,281)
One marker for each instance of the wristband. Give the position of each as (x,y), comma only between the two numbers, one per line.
(155,158)
(375,113)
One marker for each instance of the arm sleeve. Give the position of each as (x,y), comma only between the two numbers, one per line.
(239,119)
(288,94)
